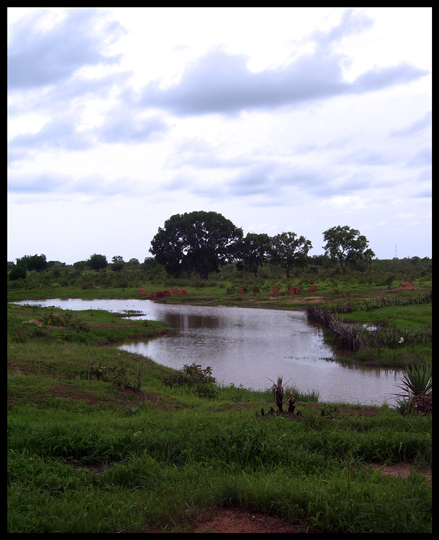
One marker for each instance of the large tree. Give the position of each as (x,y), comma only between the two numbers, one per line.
(253,252)
(346,246)
(198,242)
(289,250)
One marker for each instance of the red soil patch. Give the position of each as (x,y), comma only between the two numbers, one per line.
(129,395)
(402,470)
(238,520)
(406,285)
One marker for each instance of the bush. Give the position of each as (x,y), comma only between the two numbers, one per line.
(194,377)
(18,272)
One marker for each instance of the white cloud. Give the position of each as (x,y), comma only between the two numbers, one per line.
(277,118)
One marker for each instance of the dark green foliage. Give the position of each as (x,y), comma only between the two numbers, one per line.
(33,262)
(289,251)
(195,377)
(253,252)
(97,262)
(200,242)
(346,246)
(117,263)
(17,272)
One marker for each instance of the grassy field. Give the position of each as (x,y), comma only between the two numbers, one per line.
(102,440)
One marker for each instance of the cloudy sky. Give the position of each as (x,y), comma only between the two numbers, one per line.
(279,119)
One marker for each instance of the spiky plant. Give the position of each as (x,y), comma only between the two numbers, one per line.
(417,385)
(417,380)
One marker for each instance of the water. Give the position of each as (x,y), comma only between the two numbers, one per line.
(247,346)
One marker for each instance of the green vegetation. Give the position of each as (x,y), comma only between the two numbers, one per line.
(369,294)
(199,242)
(90,449)
(347,247)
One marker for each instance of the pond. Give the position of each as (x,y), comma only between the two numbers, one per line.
(248,346)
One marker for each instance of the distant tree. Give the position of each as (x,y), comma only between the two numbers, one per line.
(200,242)
(79,266)
(51,264)
(17,272)
(33,262)
(117,263)
(346,246)
(318,260)
(150,263)
(97,262)
(11,265)
(253,252)
(289,251)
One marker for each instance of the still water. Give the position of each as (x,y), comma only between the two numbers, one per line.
(247,346)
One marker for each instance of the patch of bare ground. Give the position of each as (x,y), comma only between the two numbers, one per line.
(406,285)
(402,470)
(128,394)
(237,520)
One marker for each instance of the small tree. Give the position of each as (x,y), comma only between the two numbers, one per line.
(289,251)
(33,262)
(253,252)
(97,262)
(17,272)
(117,263)
(346,246)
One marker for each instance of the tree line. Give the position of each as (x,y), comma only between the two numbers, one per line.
(201,243)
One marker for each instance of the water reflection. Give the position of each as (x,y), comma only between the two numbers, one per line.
(250,346)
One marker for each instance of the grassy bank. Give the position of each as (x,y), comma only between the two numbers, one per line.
(352,302)
(92,450)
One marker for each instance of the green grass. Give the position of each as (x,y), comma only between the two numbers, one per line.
(93,456)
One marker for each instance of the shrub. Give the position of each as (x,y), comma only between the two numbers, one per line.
(193,376)
(18,272)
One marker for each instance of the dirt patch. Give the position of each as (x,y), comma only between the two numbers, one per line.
(129,395)
(73,394)
(40,324)
(239,520)
(406,285)
(95,468)
(402,470)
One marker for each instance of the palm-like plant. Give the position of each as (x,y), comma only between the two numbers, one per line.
(417,381)
(417,384)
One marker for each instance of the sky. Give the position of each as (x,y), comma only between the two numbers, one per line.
(295,119)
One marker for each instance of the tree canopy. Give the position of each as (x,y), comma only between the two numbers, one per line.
(346,246)
(117,263)
(97,262)
(199,242)
(253,252)
(289,251)
(33,262)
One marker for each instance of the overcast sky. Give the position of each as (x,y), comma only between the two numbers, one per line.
(279,119)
